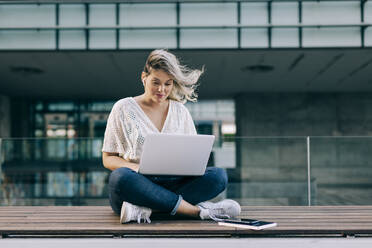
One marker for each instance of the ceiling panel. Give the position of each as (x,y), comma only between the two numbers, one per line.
(116,74)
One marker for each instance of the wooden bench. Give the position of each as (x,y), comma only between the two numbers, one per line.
(99,221)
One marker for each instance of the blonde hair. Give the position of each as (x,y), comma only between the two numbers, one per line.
(184,79)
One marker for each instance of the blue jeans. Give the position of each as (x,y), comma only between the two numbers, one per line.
(163,193)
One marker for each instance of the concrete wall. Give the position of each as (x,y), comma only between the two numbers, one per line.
(336,161)
(301,114)
(4,117)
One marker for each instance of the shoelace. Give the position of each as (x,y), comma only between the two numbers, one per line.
(142,215)
(216,214)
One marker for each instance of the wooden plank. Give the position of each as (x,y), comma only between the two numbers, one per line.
(251,208)
(77,209)
(101,220)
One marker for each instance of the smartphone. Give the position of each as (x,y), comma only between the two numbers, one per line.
(247,223)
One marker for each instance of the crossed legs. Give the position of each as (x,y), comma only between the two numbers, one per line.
(166,194)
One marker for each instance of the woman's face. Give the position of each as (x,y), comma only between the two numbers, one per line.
(158,85)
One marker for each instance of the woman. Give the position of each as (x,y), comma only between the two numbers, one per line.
(160,109)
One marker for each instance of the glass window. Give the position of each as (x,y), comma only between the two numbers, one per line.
(285,37)
(331,37)
(254,13)
(102,39)
(273,172)
(208,109)
(148,39)
(29,15)
(72,15)
(284,13)
(212,110)
(27,39)
(210,14)
(341,170)
(148,15)
(368,12)
(101,106)
(330,12)
(208,38)
(39,120)
(61,184)
(102,15)
(368,37)
(72,39)
(254,37)
(226,109)
(38,133)
(39,106)
(65,106)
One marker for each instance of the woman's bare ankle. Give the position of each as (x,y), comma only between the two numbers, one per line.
(186,208)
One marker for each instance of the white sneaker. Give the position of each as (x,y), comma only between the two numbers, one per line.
(223,209)
(130,212)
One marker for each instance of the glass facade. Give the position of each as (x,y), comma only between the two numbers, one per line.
(62,164)
(63,167)
(73,119)
(235,24)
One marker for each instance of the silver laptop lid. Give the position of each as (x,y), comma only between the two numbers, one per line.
(175,154)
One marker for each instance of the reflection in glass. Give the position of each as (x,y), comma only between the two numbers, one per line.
(342,170)
(271,171)
(52,172)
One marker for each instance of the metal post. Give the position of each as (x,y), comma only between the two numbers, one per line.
(87,24)
(363,28)
(57,24)
(308,172)
(300,22)
(178,23)
(117,31)
(269,19)
(239,22)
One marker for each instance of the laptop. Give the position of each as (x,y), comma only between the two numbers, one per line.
(175,154)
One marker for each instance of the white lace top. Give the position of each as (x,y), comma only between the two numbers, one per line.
(128,125)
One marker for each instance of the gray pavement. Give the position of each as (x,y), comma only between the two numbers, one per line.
(189,243)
